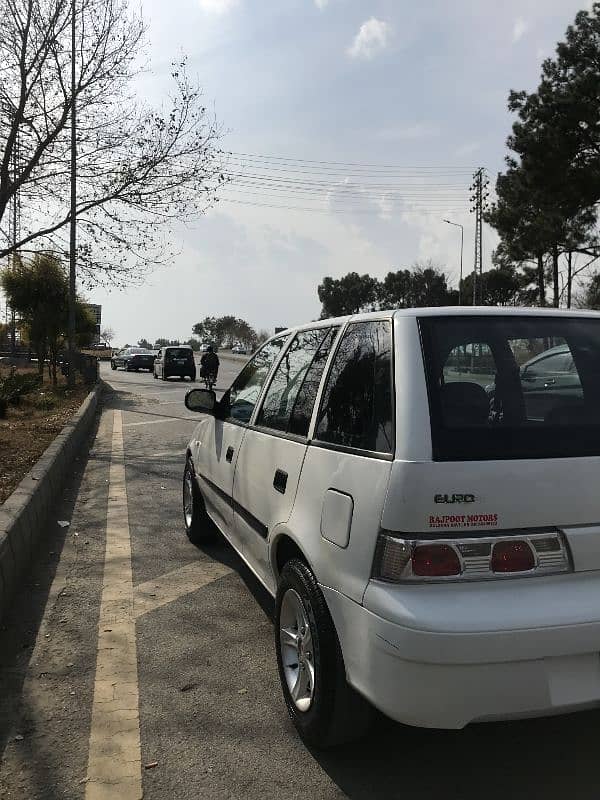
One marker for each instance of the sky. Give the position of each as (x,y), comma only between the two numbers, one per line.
(354,128)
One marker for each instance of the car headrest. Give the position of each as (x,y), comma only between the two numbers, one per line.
(464,404)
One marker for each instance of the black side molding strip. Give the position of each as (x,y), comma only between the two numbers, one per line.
(216,489)
(252,522)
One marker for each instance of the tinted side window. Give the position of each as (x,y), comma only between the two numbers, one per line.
(246,388)
(357,406)
(560,362)
(291,396)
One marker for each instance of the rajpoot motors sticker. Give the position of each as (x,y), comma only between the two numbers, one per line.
(463,520)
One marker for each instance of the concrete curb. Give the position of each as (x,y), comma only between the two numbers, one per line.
(24,513)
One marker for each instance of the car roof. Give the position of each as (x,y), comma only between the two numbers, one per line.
(447,311)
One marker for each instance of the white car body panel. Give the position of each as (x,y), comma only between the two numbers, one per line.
(435,654)
(212,439)
(346,569)
(260,456)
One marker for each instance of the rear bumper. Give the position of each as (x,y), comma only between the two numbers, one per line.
(177,369)
(438,679)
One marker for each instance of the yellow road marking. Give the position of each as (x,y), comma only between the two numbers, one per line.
(165,589)
(114,761)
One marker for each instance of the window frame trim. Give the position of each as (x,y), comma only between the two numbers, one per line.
(326,372)
(258,408)
(287,338)
(353,451)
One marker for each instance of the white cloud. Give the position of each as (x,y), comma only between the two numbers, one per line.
(320,4)
(467,149)
(217,6)
(520,28)
(372,38)
(416,130)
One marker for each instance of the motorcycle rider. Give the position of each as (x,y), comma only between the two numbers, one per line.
(209,364)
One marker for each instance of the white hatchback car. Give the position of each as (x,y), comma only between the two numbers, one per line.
(425,512)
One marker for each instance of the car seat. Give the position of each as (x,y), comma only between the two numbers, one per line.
(464,404)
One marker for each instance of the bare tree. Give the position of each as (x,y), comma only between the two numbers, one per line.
(107,335)
(139,169)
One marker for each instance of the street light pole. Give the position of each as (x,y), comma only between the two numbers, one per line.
(73,224)
(462,241)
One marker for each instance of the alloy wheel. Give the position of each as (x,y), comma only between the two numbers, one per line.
(297,650)
(188,499)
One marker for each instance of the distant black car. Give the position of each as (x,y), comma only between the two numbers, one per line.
(133,358)
(176,362)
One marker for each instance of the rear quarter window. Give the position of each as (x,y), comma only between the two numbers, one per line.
(357,406)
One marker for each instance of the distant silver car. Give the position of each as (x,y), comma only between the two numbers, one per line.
(240,349)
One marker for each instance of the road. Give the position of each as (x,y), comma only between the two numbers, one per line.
(147,663)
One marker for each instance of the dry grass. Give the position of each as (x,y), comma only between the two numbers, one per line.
(30,426)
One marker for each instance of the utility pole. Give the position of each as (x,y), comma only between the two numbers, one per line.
(479,188)
(14,231)
(73,220)
(462,241)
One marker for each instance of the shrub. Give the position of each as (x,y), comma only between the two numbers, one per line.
(13,387)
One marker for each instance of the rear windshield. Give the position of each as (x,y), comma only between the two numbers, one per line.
(179,352)
(512,387)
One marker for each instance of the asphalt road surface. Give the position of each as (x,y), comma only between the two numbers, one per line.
(135,663)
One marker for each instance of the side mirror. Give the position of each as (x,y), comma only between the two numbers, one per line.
(202,400)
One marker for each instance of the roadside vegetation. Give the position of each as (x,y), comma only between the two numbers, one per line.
(35,402)
(33,411)
(38,291)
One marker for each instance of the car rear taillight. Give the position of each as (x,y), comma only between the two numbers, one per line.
(512,556)
(474,557)
(435,560)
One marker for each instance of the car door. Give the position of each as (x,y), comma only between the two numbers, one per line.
(218,438)
(345,475)
(548,382)
(273,449)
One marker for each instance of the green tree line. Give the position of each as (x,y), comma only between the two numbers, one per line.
(421,285)
(218,330)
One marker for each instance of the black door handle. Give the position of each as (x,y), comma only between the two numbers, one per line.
(280,481)
(229,454)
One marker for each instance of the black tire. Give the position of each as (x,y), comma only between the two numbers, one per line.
(199,528)
(163,377)
(337,713)
(193,377)
(182,377)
